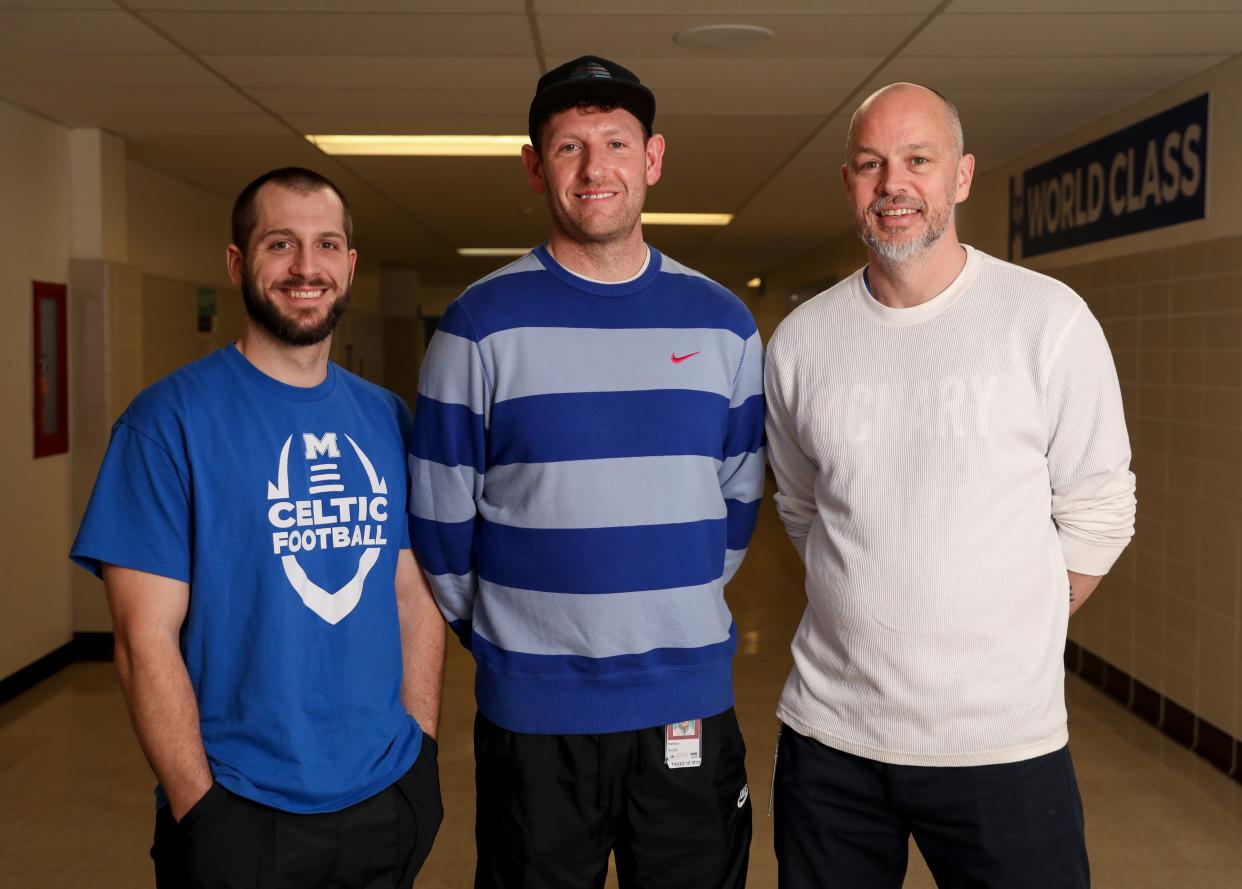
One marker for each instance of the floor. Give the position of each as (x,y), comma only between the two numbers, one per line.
(75,803)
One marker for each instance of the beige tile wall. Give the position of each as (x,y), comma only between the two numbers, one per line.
(1170,613)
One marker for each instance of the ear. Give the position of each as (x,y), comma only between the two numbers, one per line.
(353,262)
(655,158)
(965,175)
(845,178)
(235,262)
(534,170)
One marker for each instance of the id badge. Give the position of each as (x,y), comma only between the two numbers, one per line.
(683,744)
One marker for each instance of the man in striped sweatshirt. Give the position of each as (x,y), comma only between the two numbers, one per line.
(947,435)
(587,463)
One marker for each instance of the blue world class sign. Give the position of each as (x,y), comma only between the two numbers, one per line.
(1149,175)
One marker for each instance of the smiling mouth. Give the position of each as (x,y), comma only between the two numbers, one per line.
(899,211)
(304,294)
(595,195)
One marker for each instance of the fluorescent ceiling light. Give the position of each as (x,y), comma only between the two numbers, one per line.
(687,218)
(421,146)
(493,251)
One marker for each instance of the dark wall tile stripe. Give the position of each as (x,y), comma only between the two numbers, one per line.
(1210,742)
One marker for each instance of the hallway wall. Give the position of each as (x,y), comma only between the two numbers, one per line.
(1170,302)
(35,229)
(133,316)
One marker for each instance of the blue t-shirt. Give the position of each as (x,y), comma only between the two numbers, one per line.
(283,508)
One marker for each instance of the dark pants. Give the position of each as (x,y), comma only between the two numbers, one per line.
(844,821)
(552,807)
(228,842)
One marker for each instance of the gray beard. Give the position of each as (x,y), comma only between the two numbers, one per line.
(900,253)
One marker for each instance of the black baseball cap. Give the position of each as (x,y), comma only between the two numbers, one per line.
(593,78)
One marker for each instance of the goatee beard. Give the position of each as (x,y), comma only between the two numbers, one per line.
(900,252)
(284,328)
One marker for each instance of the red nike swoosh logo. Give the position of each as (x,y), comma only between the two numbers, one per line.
(678,359)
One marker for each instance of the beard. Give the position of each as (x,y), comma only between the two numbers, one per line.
(287,328)
(597,232)
(899,252)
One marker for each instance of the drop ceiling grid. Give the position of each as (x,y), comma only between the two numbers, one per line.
(325,34)
(1054,35)
(62,31)
(270,71)
(1022,71)
(633,36)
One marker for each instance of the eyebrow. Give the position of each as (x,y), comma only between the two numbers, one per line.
(912,146)
(573,133)
(290,233)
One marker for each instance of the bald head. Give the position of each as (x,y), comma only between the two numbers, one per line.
(897,95)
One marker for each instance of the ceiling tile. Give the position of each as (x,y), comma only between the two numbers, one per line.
(104,69)
(728,139)
(1081,6)
(325,34)
(130,124)
(1100,72)
(58,4)
(1184,33)
(80,106)
(751,74)
(759,103)
(627,36)
(409,124)
(722,8)
(337,6)
(393,101)
(1043,102)
(427,72)
(76,31)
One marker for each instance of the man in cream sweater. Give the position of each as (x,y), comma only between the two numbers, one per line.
(947,435)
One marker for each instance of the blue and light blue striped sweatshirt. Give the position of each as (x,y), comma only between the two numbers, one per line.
(586,468)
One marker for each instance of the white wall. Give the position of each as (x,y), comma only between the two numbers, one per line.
(35,229)
(176,230)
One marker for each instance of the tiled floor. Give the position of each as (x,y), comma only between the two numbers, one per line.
(75,793)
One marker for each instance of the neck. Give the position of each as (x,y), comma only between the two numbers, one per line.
(609,261)
(302,366)
(918,279)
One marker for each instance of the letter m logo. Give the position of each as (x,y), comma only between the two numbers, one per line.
(321,447)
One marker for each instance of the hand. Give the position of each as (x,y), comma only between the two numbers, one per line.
(186,799)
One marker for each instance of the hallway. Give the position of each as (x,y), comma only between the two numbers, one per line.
(77,805)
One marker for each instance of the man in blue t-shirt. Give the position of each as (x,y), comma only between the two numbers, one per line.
(587,461)
(276,641)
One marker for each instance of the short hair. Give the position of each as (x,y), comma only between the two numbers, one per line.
(298,179)
(603,105)
(950,112)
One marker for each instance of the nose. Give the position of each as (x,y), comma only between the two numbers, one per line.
(592,163)
(302,263)
(893,180)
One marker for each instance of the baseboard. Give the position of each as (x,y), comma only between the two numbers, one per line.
(82,647)
(1210,742)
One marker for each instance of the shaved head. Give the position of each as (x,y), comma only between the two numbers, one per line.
(952,119)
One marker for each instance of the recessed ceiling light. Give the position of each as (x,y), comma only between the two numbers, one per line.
(755,283)
(421,146)
(687,218)
(722,36)
(493,251)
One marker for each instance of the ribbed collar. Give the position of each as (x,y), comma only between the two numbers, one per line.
(933,308)
(600,288)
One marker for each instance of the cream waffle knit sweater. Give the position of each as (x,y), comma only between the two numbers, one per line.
(939,468)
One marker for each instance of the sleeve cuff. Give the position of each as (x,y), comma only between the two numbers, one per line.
(1086,558)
